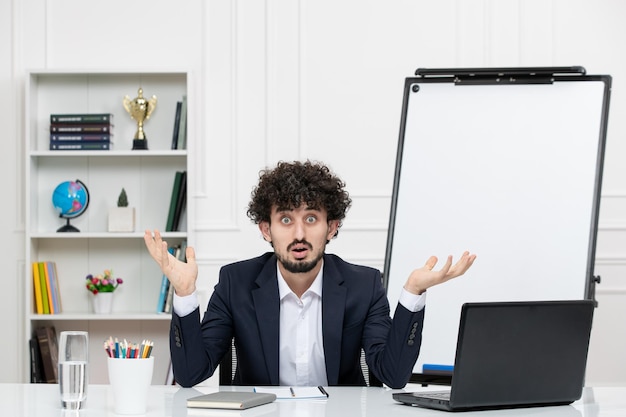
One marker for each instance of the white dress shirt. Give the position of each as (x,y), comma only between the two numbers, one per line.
(301,355)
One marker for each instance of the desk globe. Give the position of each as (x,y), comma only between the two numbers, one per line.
(70,200)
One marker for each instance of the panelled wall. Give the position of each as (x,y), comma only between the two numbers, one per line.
(284,80)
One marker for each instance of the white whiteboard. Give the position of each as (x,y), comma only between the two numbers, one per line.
(509,172)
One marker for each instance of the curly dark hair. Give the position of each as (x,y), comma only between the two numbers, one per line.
(292,184)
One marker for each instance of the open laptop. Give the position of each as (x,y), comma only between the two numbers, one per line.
(515,354)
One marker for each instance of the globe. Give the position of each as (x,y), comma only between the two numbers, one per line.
(70,200)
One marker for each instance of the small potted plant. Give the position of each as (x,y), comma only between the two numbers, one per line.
(102,287)
(122,217)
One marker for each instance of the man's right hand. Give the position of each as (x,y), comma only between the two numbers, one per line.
(180,274)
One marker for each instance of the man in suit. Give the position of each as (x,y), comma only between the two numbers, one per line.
(298,316)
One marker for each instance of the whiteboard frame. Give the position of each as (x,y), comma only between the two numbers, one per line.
(478,81)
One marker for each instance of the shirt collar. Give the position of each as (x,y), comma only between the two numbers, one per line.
(316,286)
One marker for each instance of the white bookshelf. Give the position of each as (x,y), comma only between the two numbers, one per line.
(146,175)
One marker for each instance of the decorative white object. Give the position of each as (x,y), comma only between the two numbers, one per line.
(122,217)
(103,302)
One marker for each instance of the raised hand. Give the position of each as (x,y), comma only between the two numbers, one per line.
(182,275)
(423,278)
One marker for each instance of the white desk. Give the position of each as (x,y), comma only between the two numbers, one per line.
(42,400)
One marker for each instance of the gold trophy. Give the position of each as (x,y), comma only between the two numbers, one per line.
(140,110)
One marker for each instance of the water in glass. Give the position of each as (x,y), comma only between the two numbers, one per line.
(73,359)
(73,383)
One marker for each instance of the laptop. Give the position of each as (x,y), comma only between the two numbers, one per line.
(515,354)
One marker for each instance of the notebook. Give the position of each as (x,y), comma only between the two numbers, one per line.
(515,354)
(234,400)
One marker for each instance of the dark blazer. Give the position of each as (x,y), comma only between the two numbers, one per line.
(245,305)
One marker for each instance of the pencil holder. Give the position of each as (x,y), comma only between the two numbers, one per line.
(130,380)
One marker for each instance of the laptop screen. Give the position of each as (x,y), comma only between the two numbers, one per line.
(522,352)
(512,354)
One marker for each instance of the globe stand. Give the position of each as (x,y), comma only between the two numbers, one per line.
(67,228)
(70,199)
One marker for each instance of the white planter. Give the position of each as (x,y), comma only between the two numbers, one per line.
(103,303)
(122,219)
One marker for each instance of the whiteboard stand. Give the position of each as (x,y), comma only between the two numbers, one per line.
(506,163)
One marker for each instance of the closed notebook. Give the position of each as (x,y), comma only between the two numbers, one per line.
(234,400)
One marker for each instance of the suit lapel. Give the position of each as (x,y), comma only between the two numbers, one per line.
(267,307)
(333,305)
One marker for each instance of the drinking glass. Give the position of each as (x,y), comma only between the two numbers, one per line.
(73,358)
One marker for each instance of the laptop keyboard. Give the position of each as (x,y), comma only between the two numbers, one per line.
(436,395)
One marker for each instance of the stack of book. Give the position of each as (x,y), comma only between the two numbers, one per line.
(44,355)
(89,131)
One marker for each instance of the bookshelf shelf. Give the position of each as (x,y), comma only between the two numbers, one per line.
(105,235)
(96,317)
(147,177)
(111,153)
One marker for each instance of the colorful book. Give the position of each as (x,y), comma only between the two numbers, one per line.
(37,289)
(77,118)
(81,137)
(80,146)
(165,283)
(53,285)
(179,253)
(169,226)
(169,298)
(49,287)
(55,280)
(44,288)
(81,128)
(176,125)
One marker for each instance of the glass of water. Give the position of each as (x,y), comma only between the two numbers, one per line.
(73,358)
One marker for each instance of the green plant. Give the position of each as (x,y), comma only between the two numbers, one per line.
(102,282)
(122,200)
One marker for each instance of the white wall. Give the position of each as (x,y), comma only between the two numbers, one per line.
(285,79)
